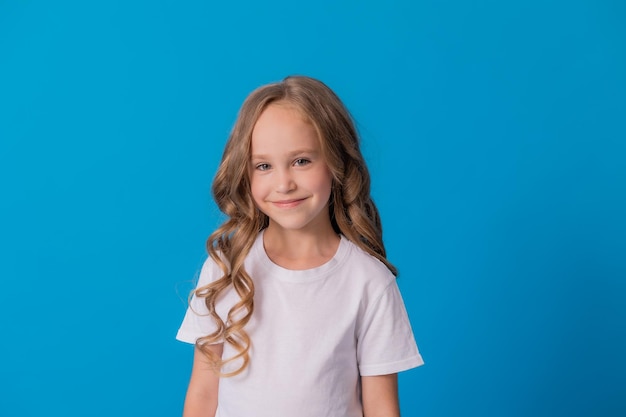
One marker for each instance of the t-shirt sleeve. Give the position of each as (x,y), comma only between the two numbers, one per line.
(385,343)
(197,321)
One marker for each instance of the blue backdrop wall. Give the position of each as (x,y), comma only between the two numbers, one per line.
(495,133)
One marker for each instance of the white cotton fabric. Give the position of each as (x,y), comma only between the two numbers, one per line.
(314,333)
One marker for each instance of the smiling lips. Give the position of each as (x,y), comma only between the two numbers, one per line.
(288,203)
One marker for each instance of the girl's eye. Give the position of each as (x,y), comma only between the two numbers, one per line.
(262,167)
(301,162)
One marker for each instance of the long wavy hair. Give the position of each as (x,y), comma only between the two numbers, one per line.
(352,210)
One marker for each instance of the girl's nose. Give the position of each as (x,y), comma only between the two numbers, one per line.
(285,182)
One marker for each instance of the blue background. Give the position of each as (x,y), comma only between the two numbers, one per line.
(496,137)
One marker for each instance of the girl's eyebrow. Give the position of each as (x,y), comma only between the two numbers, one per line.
(290,154)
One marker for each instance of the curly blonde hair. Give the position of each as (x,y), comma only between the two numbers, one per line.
(352,210)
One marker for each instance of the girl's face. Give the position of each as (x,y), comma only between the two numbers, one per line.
(289,179)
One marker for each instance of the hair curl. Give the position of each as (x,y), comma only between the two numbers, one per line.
(352,210)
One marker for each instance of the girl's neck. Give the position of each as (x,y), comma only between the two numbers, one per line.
(299,250)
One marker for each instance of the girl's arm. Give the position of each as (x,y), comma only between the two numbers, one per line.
(201,399)
(380,396)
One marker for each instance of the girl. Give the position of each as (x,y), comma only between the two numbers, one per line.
(297,312)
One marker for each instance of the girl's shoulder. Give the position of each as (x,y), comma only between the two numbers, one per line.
(211,270)
(370,268)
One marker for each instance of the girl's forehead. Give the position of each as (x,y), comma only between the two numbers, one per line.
(282,129)
(280,114)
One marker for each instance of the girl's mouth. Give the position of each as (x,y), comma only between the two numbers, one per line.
(288,203)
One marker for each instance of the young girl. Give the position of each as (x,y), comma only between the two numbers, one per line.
(297,312)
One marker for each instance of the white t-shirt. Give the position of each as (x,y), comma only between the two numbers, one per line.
(314,333)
